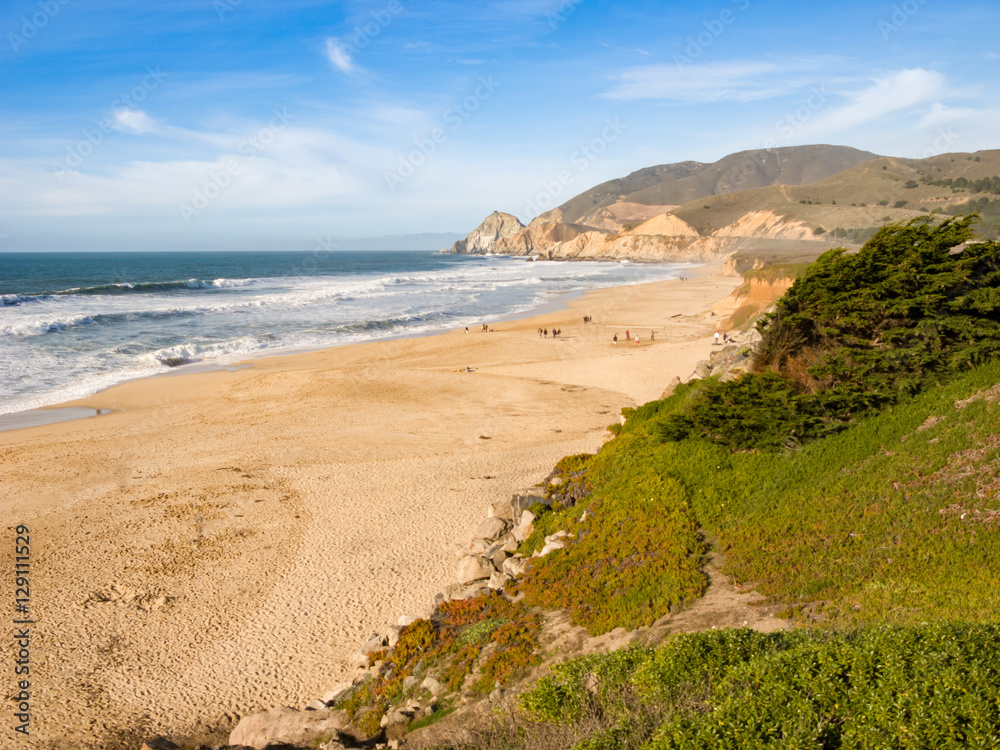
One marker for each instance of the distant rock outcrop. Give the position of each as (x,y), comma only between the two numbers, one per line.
(481,240)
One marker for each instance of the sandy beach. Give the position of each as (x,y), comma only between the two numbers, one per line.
(223,541)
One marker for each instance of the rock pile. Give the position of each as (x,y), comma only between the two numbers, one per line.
(729,361)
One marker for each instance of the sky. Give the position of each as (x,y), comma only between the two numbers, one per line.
(254,125)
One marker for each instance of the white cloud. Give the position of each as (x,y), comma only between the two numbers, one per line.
(894,93)
(340,56)
(733,81)
(135,121)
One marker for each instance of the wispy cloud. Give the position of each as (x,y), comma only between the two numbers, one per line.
(340,56)
(887,95)
(733,81)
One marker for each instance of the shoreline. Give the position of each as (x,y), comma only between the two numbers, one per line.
(221,543)
(36,416)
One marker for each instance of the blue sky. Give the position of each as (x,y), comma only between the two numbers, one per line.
(244,124)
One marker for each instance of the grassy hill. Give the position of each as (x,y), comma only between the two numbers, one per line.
(676,184)
(854,202)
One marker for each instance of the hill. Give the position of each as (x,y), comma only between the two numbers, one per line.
(781,208)
(670,185)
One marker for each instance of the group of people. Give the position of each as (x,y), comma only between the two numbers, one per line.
(486,328)
(628,336)
(724,339)
(544,332)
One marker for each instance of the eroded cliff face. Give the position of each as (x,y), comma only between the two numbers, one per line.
(767,225)
(664,237)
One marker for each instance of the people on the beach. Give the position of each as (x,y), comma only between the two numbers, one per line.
(627,336)
(615,340)
(546,332)
(486,328)
(652,335)
(637,339)
(716,338)
(539,333)
(467,329)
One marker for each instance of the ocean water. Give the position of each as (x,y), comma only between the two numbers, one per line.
(72,324)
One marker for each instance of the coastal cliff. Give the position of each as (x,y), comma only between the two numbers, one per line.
(664,237)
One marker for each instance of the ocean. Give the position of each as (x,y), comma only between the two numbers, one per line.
(72,324)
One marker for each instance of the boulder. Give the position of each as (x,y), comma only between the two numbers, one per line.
(473,568)
(703,369)
(393,638)
(523,530)
(405,620)
(669,390)
(521,501)
(288,726)
(432,686)
(472,591)
(491,529)
(496,555)
(515,566)
(499,581)
(374,643)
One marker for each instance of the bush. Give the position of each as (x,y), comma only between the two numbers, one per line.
(918,686)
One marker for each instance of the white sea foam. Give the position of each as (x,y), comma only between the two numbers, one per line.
(56,346)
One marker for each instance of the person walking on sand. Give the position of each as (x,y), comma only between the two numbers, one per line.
(539,333)
(637,339)
(627,337)
(614,341)
(716,338)
(467,329)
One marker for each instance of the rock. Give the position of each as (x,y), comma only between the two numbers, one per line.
(669,390)
(405,620)
(515,566)
(159,743)
(521,501)
(552,543)
(288,726)
(374,643)
(703,369)
(337,692)
(481,240)
(508,543)
(491,529)
(523,530)
(496,555)
(393,638)
(359,659)
(315,705)
(472,591)
(730,375)
(473,568)
(432,686)
(499,581)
